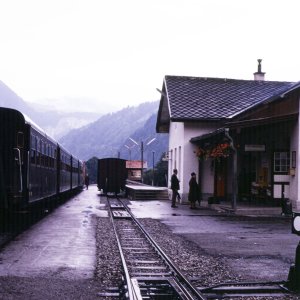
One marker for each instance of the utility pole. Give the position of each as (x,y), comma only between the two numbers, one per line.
(142,160)
(142,154)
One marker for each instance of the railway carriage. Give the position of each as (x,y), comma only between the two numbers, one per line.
(41,165)
(64,170)
(33,166)
(111,175)
(76,170)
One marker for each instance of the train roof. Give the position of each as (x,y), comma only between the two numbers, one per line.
(30,122)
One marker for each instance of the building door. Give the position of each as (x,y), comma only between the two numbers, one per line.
(220,178)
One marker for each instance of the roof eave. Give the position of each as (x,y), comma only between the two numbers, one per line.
(187,119)
(220,132)
(162,126)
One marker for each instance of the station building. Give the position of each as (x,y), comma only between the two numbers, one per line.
(241,137)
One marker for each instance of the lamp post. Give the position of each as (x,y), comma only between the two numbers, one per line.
(142,153)
(153,152)
(129,149)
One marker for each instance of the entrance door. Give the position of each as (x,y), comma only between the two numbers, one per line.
(220,178)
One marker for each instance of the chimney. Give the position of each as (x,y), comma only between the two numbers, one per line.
(259,75)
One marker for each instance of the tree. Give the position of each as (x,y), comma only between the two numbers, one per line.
(92,165)
(160,174)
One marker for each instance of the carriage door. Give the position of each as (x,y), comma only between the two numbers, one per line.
(19,161)
(220,178)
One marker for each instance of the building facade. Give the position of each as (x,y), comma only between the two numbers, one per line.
(241,137)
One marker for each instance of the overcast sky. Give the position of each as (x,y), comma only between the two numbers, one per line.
(96,55)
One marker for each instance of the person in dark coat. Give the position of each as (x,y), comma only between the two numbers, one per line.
(194,192)
(87,181)
(174,187)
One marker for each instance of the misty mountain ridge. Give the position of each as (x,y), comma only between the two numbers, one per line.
(55,123)
(108,136)
(89,135)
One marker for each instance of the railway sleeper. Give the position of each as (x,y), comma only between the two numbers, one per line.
(158,274)
(157,288)
(149,267)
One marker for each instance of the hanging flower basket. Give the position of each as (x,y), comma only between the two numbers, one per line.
(218,151)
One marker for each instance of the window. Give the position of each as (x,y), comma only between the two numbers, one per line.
(38,154)
(281,162)
(175,159)
(33,141)
(32,156)
(20,139)
(33,149)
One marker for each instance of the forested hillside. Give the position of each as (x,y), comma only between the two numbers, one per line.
(108,136)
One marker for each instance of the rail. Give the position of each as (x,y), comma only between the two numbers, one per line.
(170,281)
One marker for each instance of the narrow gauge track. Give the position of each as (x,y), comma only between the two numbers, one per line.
(148,272)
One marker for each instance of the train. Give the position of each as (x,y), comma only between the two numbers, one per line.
(111,175)
(34,168)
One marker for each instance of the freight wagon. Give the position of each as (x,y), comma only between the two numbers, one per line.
(111,175)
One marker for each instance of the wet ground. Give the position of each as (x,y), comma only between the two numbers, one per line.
(261,247)
(63,244)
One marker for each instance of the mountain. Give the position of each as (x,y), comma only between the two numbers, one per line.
(56,124)
(93,135)
(146,134)
(108,136)
(8,98)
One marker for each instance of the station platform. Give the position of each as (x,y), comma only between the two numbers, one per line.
(243,209)
(145,192)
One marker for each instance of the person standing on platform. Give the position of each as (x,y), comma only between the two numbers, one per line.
(87,181)
(174,187)
(194,192)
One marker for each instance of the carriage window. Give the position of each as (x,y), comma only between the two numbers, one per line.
(281,162)
(20,139)
(32,141)
(42,154)
(46,147)
(32,156)
(50,157)
(38,157)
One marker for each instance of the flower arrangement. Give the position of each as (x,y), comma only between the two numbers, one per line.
(218,151)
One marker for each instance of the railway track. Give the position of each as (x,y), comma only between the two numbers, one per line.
(150,274)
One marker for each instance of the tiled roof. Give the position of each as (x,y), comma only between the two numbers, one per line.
(196,98)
